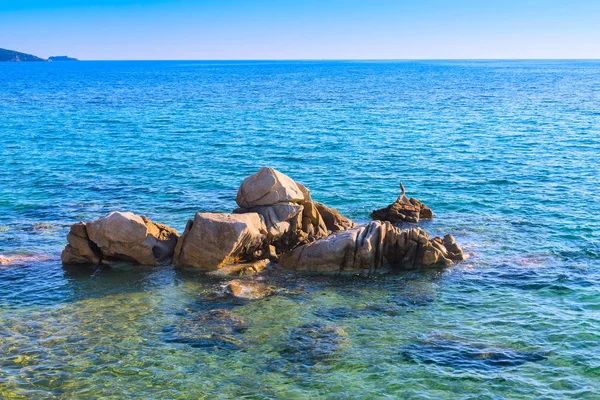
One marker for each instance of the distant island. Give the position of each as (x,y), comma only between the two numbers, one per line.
(62,58)
(16,56)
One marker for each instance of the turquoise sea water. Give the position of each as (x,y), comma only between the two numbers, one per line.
(505,153)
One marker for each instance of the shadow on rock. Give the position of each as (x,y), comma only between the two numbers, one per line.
(463,355)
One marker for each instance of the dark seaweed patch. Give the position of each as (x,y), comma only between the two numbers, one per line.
(463,355)
(313,343)
(212,329)
(345,312)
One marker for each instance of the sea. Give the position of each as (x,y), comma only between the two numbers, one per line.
(505,153)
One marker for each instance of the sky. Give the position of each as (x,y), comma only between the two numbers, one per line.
(307,29)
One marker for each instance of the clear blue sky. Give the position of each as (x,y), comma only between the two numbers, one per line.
(308,29)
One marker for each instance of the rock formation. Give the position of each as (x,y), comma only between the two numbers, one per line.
(289,213)
(214,240)
(277,219)
(403,210)
(120,236)
(368,248)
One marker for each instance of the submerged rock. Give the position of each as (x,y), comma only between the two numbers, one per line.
(346,312)
(213,329)
(463,355)
(249,290)
(120,236)
(403,210)
(213,240)
(366,249)
(313,343)
(241,269)
(22,259)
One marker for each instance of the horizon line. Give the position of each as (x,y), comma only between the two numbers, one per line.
(352,59)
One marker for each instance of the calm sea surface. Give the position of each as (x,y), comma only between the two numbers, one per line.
(505,153)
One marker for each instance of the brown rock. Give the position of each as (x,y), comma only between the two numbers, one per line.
(129,237)
(80,249)
(290,215)
(366,249)
(305,191)
(334,221)
(278,218)
(455,252)
(403,210)
(213,240)
(268,187)
(249,290)
(120,236)
(312,222)
(242,269)
(163,242)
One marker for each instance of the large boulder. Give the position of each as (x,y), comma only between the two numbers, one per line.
(120,236)
(366,249)
(268,187)
(214,240)
(403,210)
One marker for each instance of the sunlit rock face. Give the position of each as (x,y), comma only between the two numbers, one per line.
(120,236)
(214,240)
(368,248)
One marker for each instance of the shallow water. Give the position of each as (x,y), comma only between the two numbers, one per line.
(505,153)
